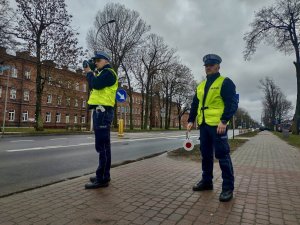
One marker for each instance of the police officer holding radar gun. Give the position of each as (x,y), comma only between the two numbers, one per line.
(214,104)
(103,84)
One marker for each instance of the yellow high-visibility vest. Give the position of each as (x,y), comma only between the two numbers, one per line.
(105,96)
(214,104)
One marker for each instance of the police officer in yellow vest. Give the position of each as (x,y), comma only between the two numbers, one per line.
(213,105)
(103,84)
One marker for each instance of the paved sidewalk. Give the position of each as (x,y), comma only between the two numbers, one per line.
(158,191)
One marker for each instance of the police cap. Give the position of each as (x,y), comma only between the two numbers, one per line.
(101,55)
(211,59)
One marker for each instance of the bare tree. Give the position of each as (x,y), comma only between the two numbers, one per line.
(243,119)
(276,106)
(184,92)
(156,56)
(6,19)
(139,72)
(279,26)
(119,38)
(44,27)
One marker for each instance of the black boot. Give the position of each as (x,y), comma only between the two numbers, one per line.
(202,186)
(96,184)
(226,195)
(93,179)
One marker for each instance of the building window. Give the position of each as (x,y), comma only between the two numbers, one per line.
(84,87)
(48,117)
(68,100)
(118,109)
(77,86)
(27,75)
(82,119)
(75,119)
(69,84)
(76,103)
(59,83)
(83,103)
(26,95)
(14,72)
(25,116)
(13,93)
(59,100)
(1,71)
(49,80)
(0,91)
(11,115)
(58,117)
(49,98)
(67,118)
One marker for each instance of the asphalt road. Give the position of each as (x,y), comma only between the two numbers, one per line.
(29,162)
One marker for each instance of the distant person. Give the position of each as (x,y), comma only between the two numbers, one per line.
(214,104)
(103,83)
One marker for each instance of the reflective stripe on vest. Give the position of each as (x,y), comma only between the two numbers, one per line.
(214,104)
(105,96)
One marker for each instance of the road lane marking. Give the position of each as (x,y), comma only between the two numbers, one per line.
(90,143)
(54,139)
(20,141)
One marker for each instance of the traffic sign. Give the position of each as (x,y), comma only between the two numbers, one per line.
(121,95)
(3,68)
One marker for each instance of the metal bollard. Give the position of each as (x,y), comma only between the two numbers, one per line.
(121,128)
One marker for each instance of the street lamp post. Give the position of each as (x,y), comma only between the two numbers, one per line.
(6,94)
(111,21)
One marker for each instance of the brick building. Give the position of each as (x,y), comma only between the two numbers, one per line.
(64,96)
(155,113)
(64,100)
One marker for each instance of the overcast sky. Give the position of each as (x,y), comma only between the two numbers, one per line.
(198,27)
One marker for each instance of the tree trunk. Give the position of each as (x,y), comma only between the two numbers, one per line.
(179,122)
(130,96)
(39,92)
(147,104)
(296,122)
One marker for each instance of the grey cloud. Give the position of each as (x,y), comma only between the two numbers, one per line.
(198,27)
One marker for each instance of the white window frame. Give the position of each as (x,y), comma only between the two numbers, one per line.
(48,117)
(14,72)
(77,86)
(26,95)
(67,118)
(50,80)
(69,84)
(75,119)
(59,99)
(84,87)
(25,116)
(49,98)
(76,102)
(27,75)
(13,93)
(58,117)
(68,101)
(11,115)
(83,103)
(82,119)
(0,91)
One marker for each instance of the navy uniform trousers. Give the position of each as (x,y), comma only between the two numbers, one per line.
(211,142)
(102,122)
